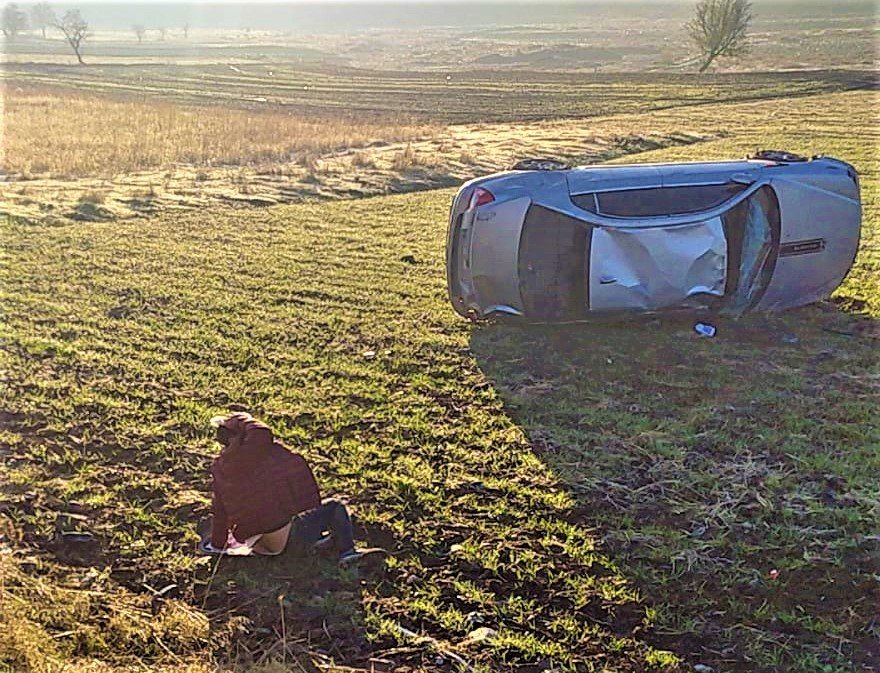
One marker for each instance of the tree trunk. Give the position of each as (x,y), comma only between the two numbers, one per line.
(79,58)
(44,32)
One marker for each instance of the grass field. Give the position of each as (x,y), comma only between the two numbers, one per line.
(468,96)
(607,498)
(69,134)
(76,153)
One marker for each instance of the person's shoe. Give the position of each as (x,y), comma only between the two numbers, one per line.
(323,544)
(355,555)
(205,547)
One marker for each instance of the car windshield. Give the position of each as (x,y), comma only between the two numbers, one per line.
(751,228)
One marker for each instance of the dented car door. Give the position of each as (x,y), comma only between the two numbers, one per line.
(657,267)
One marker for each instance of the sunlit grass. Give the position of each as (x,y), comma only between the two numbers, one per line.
(603,497)
(64,133)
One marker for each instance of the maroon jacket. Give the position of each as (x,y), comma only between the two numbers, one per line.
(258,483)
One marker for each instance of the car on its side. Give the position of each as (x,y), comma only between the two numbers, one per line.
(767,233)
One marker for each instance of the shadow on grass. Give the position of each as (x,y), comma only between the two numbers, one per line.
(727,477)
(293,605)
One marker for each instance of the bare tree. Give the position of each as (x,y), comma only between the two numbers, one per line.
(75,30)
(12,21)
(42,16)
(719,28)
(185,31)
(140,30)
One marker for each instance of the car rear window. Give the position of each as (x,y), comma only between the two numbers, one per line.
(658,201)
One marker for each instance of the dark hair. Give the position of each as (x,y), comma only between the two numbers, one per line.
(223,435)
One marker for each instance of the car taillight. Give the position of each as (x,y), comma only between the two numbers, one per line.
(481,197)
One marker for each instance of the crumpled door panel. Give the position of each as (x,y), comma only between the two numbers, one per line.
(649,269)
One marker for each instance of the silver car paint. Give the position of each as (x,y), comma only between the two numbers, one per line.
(649,269)
(614,178)
(704,173)
(805,194)
(812,213)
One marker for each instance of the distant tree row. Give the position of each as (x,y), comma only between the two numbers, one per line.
(719,27)
(14,20)
(74,28)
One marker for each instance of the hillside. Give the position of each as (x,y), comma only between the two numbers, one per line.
(604,497)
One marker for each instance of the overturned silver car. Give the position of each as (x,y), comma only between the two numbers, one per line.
(768,233)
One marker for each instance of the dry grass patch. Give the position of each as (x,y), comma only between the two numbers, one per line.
(409,158)
(66,134)
(93,196)
(49,624)
(49,627)
(362,160)
(461,152)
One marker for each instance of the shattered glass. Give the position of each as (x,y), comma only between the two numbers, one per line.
(757,240)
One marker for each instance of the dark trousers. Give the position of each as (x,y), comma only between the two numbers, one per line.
(309,527)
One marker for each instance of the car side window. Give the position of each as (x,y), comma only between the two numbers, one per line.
(586,202)
(658,201)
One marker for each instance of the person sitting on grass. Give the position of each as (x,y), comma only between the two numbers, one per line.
(265,498)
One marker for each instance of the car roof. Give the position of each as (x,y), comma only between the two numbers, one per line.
(693,167)
(584,179)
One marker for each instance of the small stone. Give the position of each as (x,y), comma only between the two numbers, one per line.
(474,618)
(90,212)
(480,635)
(699,531)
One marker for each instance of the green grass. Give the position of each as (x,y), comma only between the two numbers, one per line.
(606,498)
